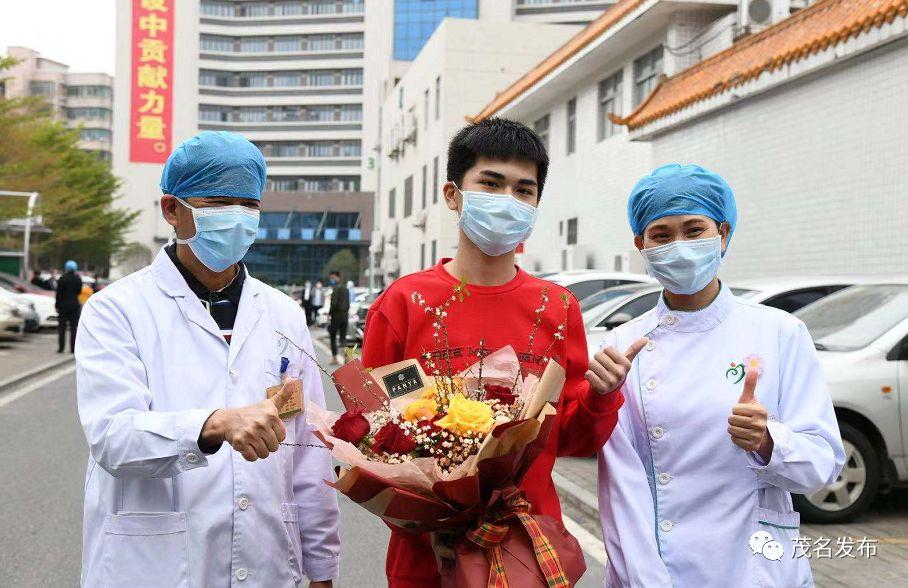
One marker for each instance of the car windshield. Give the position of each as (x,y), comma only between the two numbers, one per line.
(743,292)
(594,300)
(855,317)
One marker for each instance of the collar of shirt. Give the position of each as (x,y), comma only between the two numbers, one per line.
(231,291)
(698,320)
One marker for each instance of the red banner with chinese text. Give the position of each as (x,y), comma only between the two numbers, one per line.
(151,88)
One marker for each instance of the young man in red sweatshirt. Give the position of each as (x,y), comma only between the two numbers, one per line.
(496,172)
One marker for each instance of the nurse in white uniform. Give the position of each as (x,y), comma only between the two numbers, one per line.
(726,412)
(192,480)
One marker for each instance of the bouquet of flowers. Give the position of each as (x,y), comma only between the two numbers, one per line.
(445,454)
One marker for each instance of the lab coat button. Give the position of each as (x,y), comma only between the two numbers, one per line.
(651,345)
(670,320)
(657,432)
(666,526)
(192,458)
(233,372)
(242,574)
(664,478)
(244,503)
(651,384)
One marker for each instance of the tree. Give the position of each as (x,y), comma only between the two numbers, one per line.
(77,188)
(346,263)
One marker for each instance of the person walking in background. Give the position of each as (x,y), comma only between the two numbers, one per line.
(306,303)
(69,287)
(316,299)
(338,315)
(351,291)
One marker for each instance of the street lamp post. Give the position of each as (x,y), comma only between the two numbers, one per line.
(30,210)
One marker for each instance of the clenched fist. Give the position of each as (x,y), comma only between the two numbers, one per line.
(609,368)
(747,423)
(255,431)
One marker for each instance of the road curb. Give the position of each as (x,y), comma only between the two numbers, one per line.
(17,380)
(580,499)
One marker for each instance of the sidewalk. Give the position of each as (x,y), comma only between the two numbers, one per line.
(886,521)
(33,353)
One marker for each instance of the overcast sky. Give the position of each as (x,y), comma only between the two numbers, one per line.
(79,33)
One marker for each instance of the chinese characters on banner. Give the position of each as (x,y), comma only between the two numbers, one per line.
(151,99)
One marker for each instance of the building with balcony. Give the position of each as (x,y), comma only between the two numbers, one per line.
(288,75)
(83,101)
(799,105)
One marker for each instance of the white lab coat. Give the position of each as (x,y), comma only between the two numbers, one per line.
(678,500)
(151,367)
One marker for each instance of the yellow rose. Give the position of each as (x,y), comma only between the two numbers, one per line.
(420,410)
(430,393)
(467,415)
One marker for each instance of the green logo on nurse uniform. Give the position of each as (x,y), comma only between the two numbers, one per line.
(737,371)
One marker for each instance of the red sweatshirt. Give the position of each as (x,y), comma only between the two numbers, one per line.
(398,329)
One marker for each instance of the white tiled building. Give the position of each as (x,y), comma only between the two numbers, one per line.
(806,121)
(83,100)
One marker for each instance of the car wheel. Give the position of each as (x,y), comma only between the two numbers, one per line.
(855,488)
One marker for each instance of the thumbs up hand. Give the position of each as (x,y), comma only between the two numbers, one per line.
(255,431)
(747,423)
(609,368)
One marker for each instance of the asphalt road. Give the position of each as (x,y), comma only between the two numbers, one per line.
(42,472)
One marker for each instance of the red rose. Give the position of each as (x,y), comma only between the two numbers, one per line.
(351,426)
(392,439)
(502,394)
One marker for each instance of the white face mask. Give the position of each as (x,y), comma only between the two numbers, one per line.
(496,223)
(685,267)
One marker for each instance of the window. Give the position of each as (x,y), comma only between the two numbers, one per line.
(321,78)
(792,301)
(321,43)
(541,126)
(351,77)
(571,125)
(254,9)
(434,251)
(253,114)
(351,41)
(214,113)
(351,112)
(253,79)
(437,98)
(422,256)
(320,113)
(216,43)
(45,89)
(287,79)
(350,148)
(215,78)
(94,135)
(286,113)
(647,70)
(392,201)
(320,149)
(416,20)
(435,188)
(288,8)
(632,309)
(425,185)
(425,109)
(89,113)
(400,97)
(572,231)
(408,196)
(88,91)
(214,8)
(254,45)
(288,43)
(609,101)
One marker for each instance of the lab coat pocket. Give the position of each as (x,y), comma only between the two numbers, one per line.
(145,549)
(772,545)
(291,525)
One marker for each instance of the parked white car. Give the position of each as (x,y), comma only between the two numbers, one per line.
(583,283)
(10,319)
(861,335)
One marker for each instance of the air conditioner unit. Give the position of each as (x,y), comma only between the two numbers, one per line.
(419,219)
(410,128)
(756,15)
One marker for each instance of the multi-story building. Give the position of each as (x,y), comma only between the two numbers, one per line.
(288,75)
(799,105)
(81,100)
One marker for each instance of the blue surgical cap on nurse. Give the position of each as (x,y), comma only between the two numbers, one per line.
(215,163)
(676,189)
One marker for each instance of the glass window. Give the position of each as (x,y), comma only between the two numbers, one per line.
(352,7)
(415,21)
(215,78)
(254,44)
(408,196)
(321,43)
(435,188)
(541,126)
(392,202)
(88,113)
(253,79)
(351,77)
(647,70)
(425,109)
(320,113)
(45,89)
(216,8)
(352,41)
(214,113)
(350,148)
(571,134)
(320,149)
(216,43)
(351,112)
(609,101)
(94,135)
(422,256)
(572,231)
(288,43)
(425,185)
(250,114)
(288,8)
(287,79)
(89,91)
(434,251)
(633,309)
(254,9)
(286,113)
(322,6)
(855,317)
(792,301)
(437,98)
(321,78)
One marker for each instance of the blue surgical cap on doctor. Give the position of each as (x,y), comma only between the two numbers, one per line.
(215,163)
(676,189)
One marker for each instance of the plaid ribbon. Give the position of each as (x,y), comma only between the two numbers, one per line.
(494,528)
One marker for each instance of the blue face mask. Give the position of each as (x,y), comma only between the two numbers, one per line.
(496,223)
(685,267)
(223,234)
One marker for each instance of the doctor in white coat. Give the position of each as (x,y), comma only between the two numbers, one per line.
(726,412)
(172,365)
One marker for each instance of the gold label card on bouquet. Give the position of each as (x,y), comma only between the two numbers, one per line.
(294,404)
(401,378)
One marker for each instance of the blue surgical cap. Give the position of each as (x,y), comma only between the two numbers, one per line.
(676,189)
(215,163)
(70,266)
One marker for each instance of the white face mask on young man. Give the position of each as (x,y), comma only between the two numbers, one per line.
(684,267)
(496,223)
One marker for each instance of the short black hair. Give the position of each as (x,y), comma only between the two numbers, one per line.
(496,138)
(334,273)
